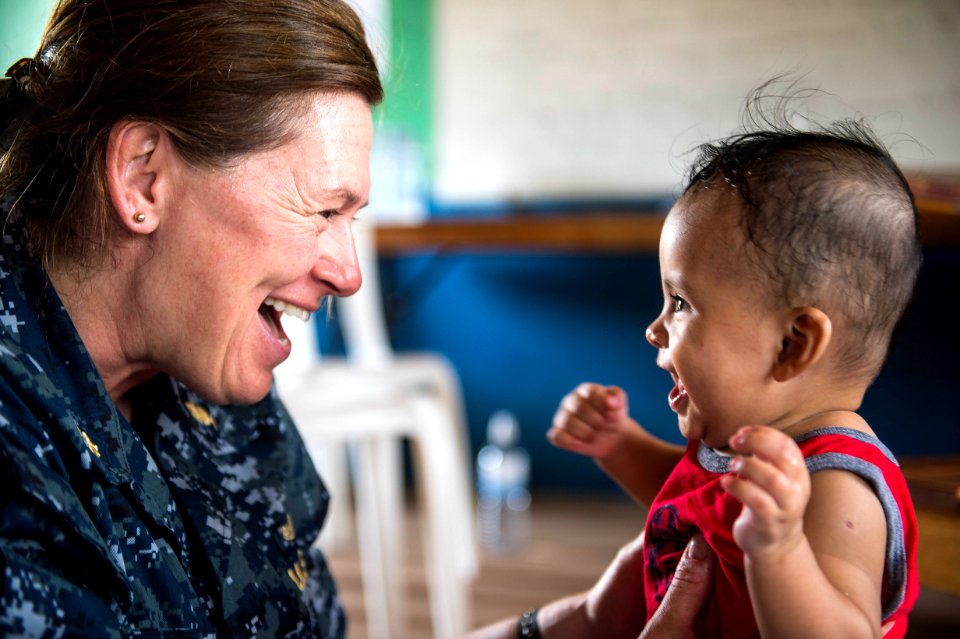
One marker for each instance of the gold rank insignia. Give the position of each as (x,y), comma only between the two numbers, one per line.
(89,442)
(298,573)
(287,531)
(200,414)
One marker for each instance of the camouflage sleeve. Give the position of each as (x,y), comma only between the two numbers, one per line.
(46,589)
(38,603)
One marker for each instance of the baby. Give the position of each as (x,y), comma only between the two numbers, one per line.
(787,265)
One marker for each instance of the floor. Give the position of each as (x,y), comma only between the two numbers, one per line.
(572,539)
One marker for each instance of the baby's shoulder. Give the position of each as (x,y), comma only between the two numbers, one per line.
(846,420)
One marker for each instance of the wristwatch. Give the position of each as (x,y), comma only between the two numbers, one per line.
(527,628)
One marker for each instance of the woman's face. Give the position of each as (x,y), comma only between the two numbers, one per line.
(235,243)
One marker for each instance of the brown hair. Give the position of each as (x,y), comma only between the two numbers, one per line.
(223,78)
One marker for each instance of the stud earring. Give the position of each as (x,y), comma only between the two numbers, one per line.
(139,218)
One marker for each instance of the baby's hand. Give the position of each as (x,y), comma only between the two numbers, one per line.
(772,482)
(592,420)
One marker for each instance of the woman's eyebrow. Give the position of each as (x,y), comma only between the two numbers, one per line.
(350,198)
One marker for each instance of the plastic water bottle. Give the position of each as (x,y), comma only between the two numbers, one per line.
(503,477)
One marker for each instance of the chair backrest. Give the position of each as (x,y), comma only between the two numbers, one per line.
(362,318)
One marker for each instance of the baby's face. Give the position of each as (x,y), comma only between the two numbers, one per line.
(718,334)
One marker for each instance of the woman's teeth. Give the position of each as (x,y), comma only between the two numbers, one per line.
(288,309)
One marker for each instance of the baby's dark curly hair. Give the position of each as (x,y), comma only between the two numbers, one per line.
(831,217)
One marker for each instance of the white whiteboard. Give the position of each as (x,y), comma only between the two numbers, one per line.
(543,99)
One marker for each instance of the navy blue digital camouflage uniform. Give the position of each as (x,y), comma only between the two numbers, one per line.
(194,521)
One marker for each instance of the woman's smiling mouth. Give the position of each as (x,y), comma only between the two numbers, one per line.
(272,309)
(288,309)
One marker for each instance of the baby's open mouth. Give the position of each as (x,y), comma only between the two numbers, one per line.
(677,396)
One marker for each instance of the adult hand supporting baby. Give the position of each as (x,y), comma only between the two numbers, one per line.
(688,591)
(613,607)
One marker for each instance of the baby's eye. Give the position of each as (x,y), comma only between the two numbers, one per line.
(679,304)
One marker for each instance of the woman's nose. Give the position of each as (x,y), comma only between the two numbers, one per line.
(337,265)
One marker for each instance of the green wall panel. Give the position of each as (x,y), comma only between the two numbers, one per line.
(21,23)
(408,106)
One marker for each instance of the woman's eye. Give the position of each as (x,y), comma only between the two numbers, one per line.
(679,304)
(328,213)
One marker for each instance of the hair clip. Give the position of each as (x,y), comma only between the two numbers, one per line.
(21,69)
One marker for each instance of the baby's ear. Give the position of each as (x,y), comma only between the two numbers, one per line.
(806,336)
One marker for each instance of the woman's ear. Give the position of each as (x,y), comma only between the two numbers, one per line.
(136,152)
(806,337)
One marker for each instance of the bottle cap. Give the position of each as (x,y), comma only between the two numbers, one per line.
(502,429)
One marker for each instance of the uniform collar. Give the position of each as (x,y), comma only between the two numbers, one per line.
(45,345)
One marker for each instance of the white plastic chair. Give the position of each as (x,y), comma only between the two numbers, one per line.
(371,401)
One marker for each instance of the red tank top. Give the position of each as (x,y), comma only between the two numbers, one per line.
(693,499)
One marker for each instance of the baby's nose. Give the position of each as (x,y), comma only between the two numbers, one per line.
(652,337)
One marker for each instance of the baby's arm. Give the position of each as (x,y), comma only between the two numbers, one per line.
(593,420)
(813,545)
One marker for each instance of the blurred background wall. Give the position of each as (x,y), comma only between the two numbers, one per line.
(525,108)
(601,98)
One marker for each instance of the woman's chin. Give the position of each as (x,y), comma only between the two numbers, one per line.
(252,393)
(249,390)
